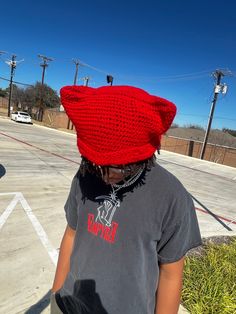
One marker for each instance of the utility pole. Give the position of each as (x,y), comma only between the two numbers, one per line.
(86,80)
(77,63)
(218,88)
(44,65)
(12,64)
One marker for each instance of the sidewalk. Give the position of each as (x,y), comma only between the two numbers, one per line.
(43,178)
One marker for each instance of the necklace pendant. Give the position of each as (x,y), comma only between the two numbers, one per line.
(115,198)
(107,209)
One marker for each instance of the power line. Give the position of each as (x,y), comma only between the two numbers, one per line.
(224,118)
(204,116)
(93,68)
(193,75)
(77,63)
(2,53)
(18,83)
(170,78)
(189,76)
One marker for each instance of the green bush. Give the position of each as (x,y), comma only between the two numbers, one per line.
(210,281)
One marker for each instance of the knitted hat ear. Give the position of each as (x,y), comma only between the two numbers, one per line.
(73,95)
(165,113)
(117,124)
(159,115)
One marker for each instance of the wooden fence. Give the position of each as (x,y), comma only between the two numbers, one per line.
(216,153)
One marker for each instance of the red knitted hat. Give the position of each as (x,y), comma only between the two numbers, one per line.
(117,124)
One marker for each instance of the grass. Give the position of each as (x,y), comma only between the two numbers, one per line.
(210,280)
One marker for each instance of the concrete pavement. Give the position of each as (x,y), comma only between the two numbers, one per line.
(39,165)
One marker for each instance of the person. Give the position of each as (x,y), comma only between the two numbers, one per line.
(129,221)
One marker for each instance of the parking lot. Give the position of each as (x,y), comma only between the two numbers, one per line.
(38,164)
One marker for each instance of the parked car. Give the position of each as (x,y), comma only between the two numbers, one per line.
(21,116)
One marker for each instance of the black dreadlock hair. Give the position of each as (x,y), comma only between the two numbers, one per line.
(130,169)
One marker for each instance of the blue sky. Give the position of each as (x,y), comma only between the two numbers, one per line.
(169,48)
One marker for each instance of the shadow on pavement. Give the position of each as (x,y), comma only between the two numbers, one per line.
(2,171)
(38,307)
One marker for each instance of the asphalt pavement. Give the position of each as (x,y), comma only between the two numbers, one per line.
(36,168)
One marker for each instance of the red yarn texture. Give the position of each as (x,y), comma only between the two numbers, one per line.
(117,124)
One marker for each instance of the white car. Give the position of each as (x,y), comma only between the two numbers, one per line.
(21,116)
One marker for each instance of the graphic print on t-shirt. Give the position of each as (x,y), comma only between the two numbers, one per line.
(103,225)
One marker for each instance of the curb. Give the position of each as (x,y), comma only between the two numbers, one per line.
(57,130)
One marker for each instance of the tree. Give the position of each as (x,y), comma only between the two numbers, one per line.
(193,126)
(49,97)
(3,92)
(41,95)
(174,126)
(17,94)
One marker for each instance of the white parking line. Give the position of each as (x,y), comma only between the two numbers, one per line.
(9,209)
(52,252)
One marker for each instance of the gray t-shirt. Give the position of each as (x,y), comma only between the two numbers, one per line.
(120,243)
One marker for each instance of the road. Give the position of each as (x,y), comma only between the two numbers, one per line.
(39,164)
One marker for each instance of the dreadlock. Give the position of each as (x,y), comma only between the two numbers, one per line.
(88,166)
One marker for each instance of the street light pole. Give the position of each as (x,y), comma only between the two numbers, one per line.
(110,79)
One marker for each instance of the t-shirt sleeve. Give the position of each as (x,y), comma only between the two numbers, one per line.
(71,205)
(181,233)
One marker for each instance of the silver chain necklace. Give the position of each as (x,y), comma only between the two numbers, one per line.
(117,187)
(111,202)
